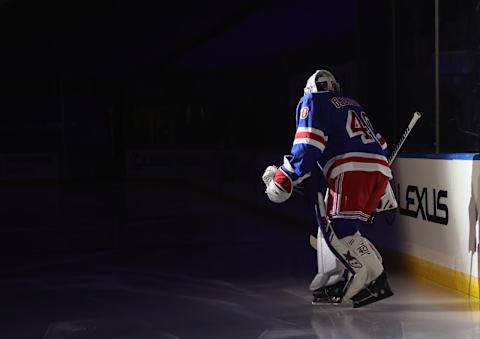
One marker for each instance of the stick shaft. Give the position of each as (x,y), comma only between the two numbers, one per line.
(404,136)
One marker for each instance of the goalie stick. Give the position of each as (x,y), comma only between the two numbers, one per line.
(404,136)
(393,155)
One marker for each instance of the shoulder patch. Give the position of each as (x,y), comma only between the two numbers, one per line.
(304,112)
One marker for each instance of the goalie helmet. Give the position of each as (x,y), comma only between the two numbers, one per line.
(321,80)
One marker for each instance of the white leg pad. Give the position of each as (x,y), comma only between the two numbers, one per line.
(374,249)
(329,269)
(362,258)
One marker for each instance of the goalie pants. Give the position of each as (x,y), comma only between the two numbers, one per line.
(352,200)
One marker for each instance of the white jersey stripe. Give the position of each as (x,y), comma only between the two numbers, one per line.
(360,166)
(344,215)
(309,141)
(354,154)
(353,165)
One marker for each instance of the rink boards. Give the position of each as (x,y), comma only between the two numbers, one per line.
(436,225)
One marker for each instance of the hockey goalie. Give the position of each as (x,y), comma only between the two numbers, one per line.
(335,137)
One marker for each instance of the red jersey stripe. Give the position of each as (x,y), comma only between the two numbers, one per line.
(310,135)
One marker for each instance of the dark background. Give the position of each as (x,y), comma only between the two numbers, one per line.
(112,112)
(133,137)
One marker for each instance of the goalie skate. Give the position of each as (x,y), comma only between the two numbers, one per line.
(377,290)
(332,294)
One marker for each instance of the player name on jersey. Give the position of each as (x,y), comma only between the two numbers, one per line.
(339,102)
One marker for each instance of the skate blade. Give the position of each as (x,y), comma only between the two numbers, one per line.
(322,302)
(371,299)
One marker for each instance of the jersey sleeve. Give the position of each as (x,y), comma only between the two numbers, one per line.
(383,144)
(310,138)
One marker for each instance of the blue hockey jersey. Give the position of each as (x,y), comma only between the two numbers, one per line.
(334,131)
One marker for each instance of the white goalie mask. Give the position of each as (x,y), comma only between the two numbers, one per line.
(321,80)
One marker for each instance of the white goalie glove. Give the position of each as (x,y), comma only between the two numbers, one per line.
(268,175)
(279,185)
(278,182)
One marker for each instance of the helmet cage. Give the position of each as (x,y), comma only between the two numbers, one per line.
(321,80)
